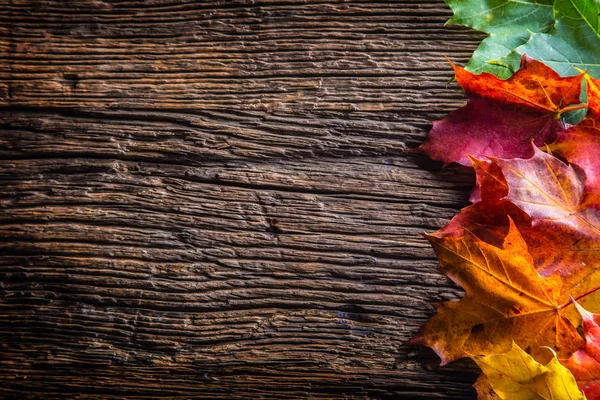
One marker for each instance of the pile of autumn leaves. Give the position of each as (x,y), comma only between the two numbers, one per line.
(527,251)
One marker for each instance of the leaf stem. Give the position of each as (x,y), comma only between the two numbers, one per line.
(573,108)
(572,300)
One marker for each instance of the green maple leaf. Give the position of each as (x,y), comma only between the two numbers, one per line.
(508,24)
(574,42)
(565,34)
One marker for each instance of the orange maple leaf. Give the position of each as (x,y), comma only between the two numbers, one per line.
(519,281)
(506,299)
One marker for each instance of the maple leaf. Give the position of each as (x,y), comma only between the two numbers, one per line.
(563,34)
(585,362)
(574,40)
(581,144)
(564,235)
(506,300)
(490,178)
(515,375)
(545,197)
(508,25)
(502,117)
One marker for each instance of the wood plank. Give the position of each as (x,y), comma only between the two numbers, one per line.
(214,199)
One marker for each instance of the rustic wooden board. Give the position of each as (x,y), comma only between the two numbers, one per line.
(213,199)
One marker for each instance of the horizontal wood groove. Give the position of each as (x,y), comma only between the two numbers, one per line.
(217,199)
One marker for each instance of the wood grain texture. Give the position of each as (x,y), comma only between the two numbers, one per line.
(214,200)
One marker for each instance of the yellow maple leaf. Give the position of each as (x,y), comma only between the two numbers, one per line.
(515,375)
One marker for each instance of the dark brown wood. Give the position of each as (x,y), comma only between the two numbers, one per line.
(213,199)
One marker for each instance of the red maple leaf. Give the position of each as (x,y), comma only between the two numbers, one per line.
(581,144)
(502,117)
(585,362)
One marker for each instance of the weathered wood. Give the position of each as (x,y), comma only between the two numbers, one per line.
(214,200)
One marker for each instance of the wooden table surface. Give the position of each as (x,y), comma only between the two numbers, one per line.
(213,199)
